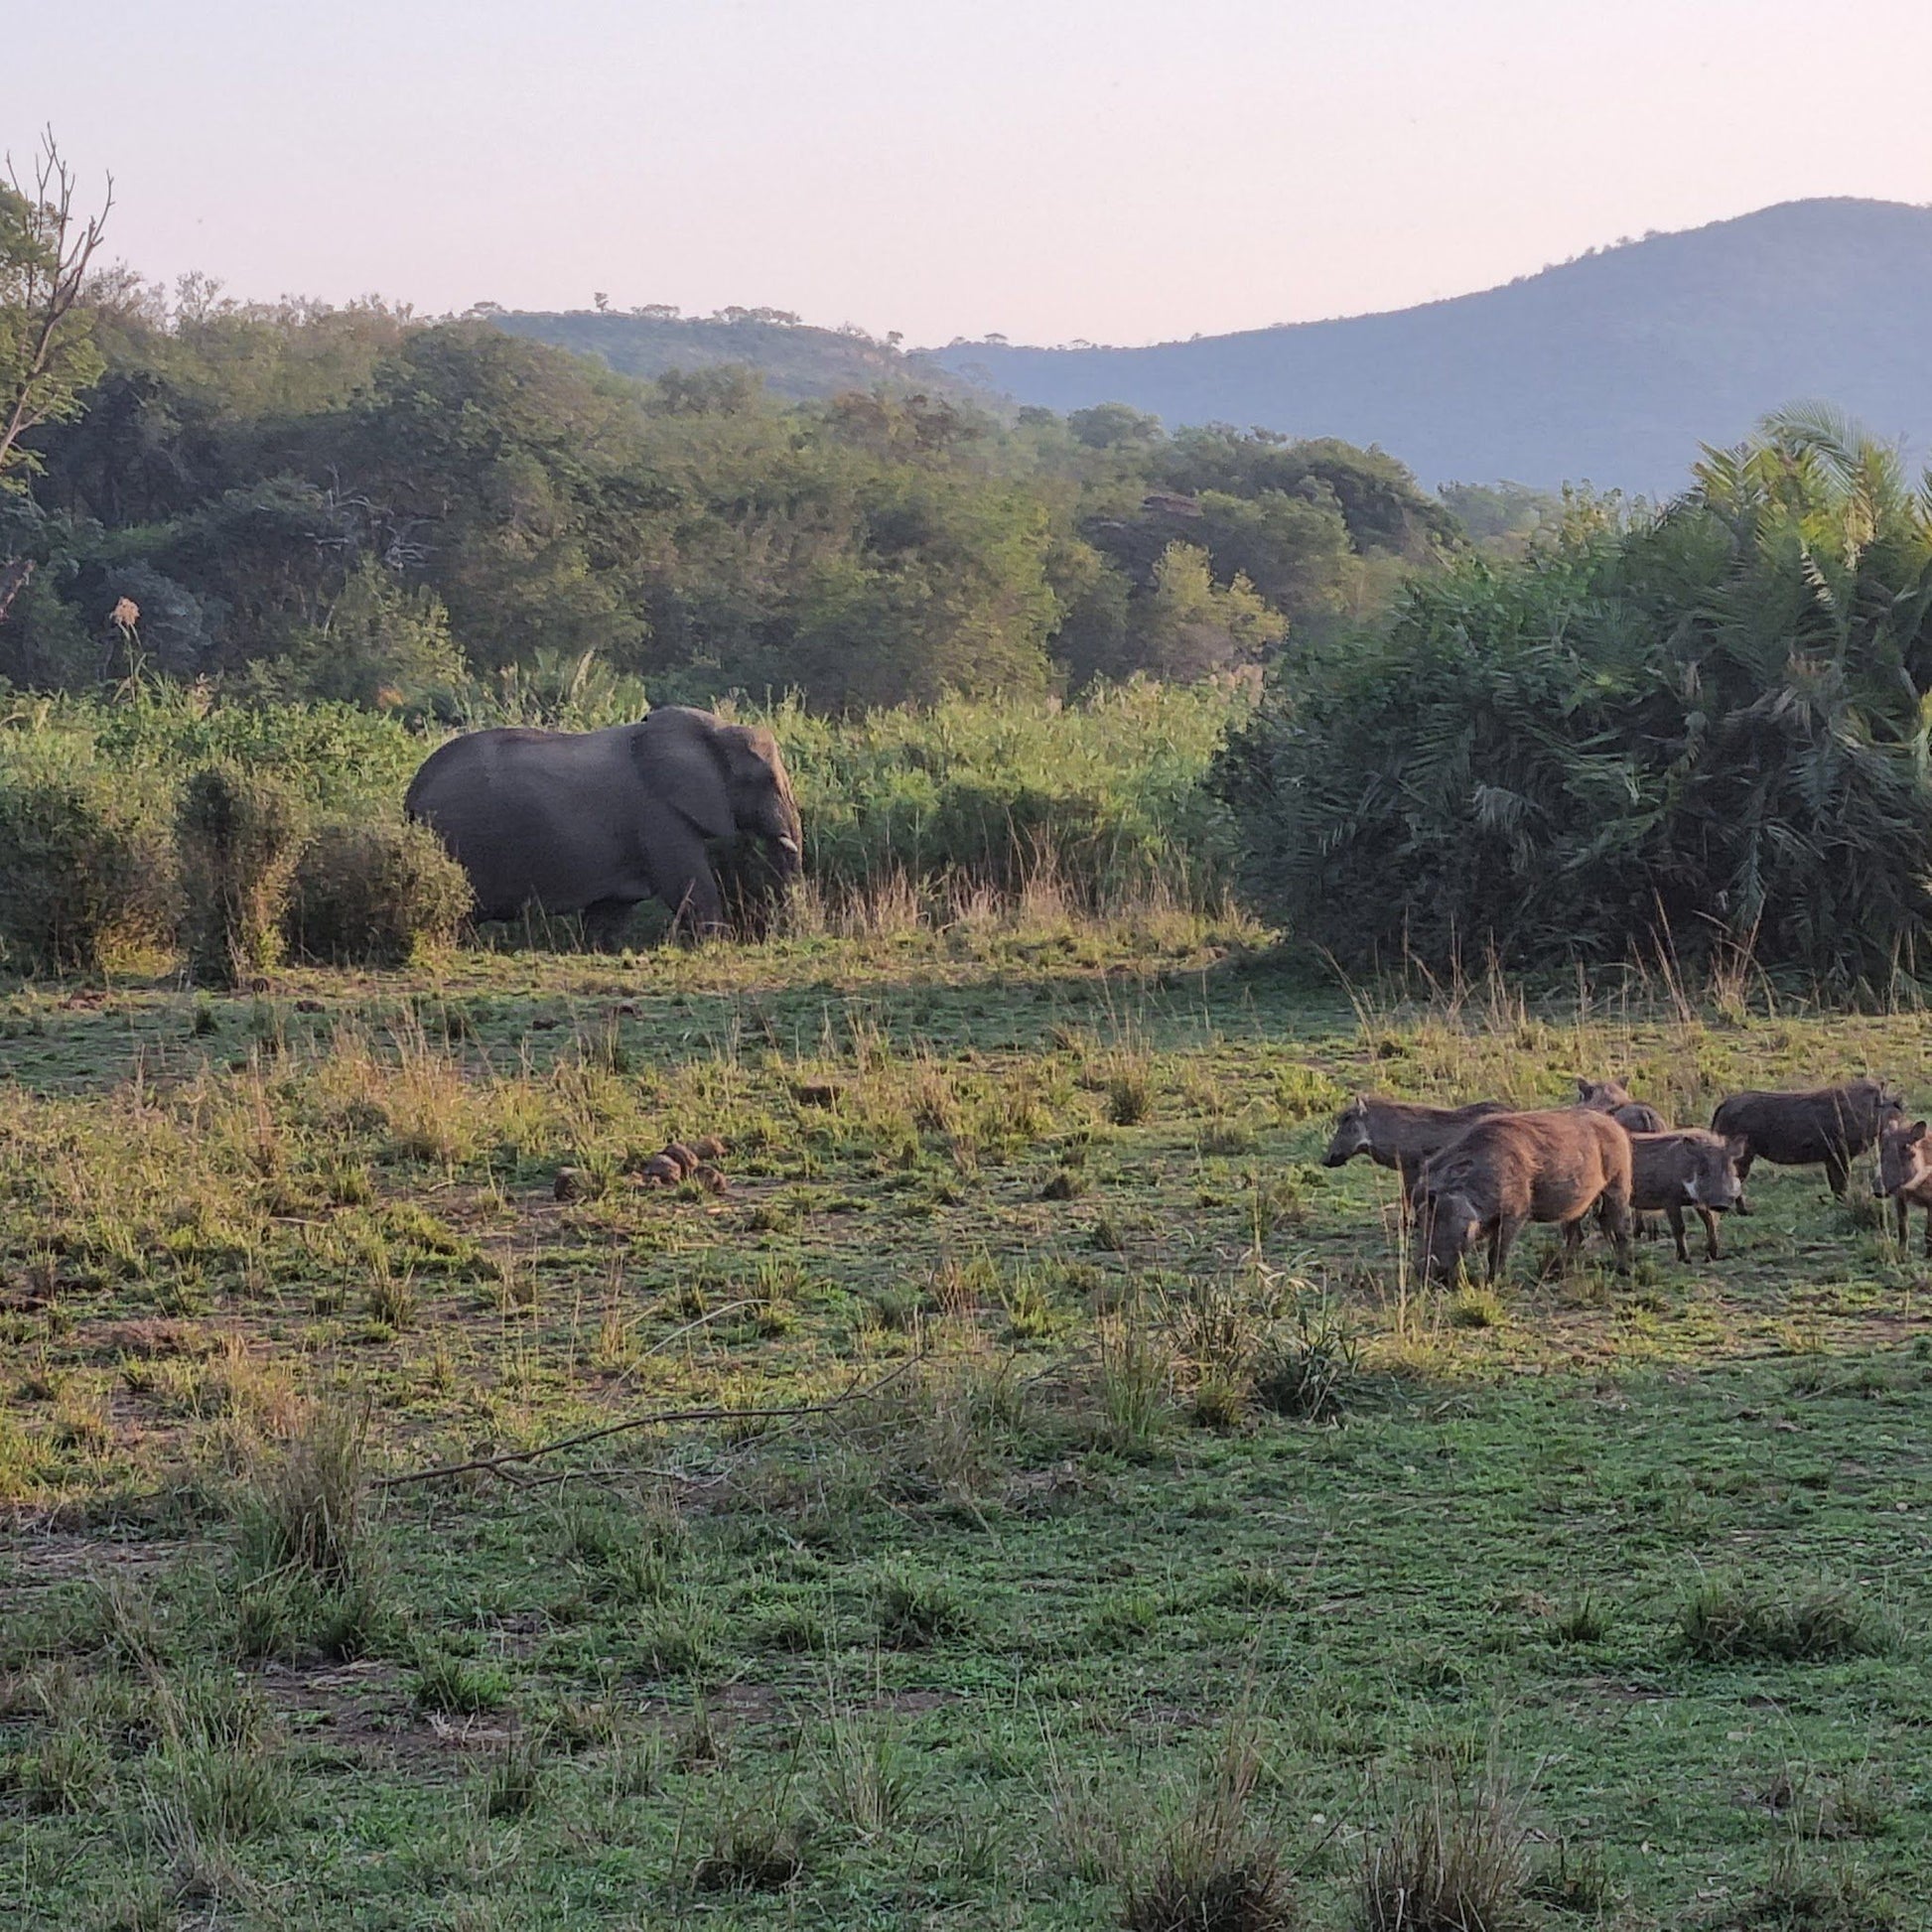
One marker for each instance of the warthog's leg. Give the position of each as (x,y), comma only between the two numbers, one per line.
(1904,1218)
(1838,1171)
(1502,1239)
(1743,1174)
(1928,1230)
(1712,1251)
(1615,1213)
(1675,1215)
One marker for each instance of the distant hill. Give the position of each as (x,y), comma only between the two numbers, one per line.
(1612,368)
(797,361)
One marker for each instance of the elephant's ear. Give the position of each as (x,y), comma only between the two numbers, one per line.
(681,762)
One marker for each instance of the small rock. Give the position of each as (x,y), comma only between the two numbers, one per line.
(626,1009)
(542,1022)
(570,1183)
(816,1093)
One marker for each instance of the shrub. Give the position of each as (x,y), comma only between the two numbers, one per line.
(237,832)
(370,895)
(1696,733)
(80,873)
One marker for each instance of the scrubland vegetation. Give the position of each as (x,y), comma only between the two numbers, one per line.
(1027,1489)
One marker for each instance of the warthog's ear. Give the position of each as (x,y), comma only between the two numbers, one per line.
(1737,1146)
(1915,1134)
(1582,1088)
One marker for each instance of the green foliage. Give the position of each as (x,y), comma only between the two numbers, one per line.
(238,832)
(1103,797)
(346,505)
(1702,734)
(80,875)
(373,893)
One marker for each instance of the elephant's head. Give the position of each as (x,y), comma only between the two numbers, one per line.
(726,781)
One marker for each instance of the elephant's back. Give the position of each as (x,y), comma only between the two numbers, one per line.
(524,812)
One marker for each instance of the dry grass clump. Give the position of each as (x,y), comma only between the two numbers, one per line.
(1724,1622)
(1451,1860)
(1215,1869)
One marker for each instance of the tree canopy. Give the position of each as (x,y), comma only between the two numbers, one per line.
(353,504)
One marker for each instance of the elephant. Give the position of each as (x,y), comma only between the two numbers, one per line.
(594,822)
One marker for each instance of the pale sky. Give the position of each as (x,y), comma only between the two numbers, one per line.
(1127,171)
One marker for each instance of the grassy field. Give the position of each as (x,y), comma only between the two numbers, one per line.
(1124,1537)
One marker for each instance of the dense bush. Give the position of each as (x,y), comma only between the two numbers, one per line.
(80,875)
(1103,797)
(237,833)
(1699,731)
(370,894)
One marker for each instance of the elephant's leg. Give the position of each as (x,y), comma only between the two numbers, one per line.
(681,876)
(604,921)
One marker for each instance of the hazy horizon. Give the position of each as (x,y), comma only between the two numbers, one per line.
(1114,172)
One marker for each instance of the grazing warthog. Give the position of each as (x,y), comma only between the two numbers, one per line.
(1511,1169)
(1400,1134)
(1686,1169)
(1826,1126)
(1905,1172)
(1612,1097)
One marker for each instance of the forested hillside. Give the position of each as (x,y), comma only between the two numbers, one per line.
(795,360)
(1615,368)
(309,502)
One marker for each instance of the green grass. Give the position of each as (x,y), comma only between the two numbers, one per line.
(1166,1550)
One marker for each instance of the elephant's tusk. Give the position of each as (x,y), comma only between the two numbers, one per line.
(787,844)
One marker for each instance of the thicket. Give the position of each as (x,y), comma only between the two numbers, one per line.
(246,827)
(1694,734)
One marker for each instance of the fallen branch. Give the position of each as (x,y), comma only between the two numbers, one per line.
(659,1419)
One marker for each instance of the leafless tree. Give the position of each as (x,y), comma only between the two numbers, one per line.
(46,248)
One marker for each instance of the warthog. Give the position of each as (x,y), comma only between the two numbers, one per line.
(1686,1169)
(1400,1134)
(1511,1169)
(1612,1097)
(1826,1126)
(1905,1172)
